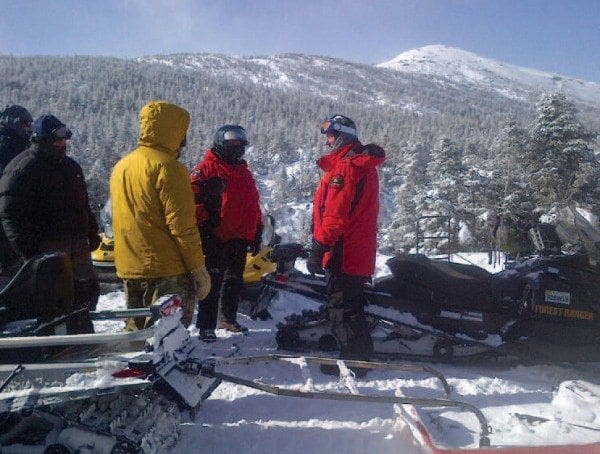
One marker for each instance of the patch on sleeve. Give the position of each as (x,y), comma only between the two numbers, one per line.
(337,181)
(197,174)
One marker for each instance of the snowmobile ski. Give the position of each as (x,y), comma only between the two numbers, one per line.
(534,420)
(354,395)
(310,331)
(74,339)
(118,314)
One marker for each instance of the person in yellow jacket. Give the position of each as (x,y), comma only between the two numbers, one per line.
(157,244)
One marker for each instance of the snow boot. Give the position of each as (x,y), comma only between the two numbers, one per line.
(233,327)
(207,335)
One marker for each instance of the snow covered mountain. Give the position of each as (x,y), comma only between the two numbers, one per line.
(509,80)
(324,77)
(328,77)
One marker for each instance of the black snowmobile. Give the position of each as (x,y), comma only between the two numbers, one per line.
(39,301)
(545,307)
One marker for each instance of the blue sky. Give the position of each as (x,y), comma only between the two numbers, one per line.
(561,36)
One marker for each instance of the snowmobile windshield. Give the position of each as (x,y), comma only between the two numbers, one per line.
(578,232)
(106,218)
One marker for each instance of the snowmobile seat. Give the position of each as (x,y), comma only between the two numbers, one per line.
(439,284)
(42,288)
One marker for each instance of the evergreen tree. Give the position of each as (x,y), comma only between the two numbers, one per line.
(560,162)
(505,161)
(509,189)
(447,172)
(408,197)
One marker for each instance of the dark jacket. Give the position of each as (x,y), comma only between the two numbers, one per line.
(10,147)
(44,198)
(346,205)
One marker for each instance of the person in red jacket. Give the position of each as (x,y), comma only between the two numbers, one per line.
(345,210)
(229,219)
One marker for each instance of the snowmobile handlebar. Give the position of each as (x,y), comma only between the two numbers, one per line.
(285,255)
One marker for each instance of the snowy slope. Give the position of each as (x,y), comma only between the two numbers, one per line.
(525,405)
(327,77)
(509,80)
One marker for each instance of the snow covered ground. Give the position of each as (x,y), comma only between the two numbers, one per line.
(538,405)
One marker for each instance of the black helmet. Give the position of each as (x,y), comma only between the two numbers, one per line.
(230,132)
(16,121)
(50,127)
(339,123)
(230,142)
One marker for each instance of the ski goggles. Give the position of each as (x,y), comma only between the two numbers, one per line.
(62,132)
(236,134)
(330,126)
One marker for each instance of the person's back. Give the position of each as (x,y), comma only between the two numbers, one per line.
(152,204)
(157,244)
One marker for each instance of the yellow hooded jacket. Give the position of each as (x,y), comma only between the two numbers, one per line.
(152,201)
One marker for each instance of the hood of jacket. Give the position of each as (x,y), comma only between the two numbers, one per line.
(163,125)
(360,155)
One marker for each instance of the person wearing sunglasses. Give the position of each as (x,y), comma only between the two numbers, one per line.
(345,210)
(157,245)
(229,220)
(44,207)
(15,133)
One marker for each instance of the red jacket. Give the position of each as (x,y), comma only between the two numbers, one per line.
(240,213)
(346,205)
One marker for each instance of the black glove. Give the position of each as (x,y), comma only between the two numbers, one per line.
(210,194)
(206,233)
(27,252)
(209,190)
(94,240)
(314,262)
(257,243)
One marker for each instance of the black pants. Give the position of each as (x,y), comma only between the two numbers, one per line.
(345,303)
(9,259)
(225,262)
